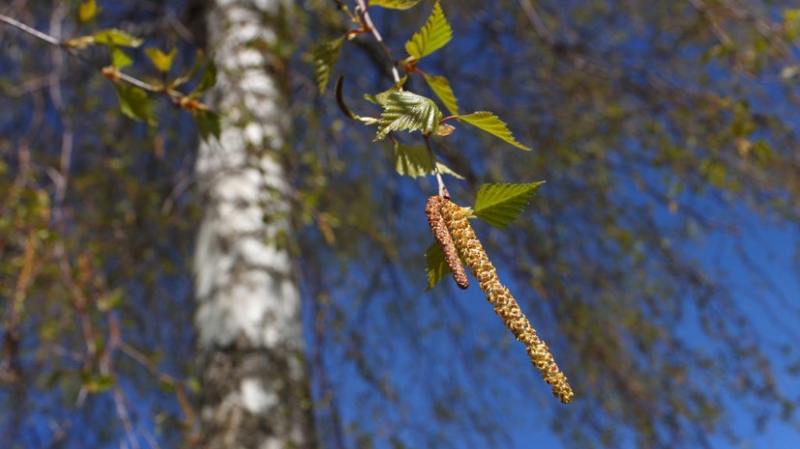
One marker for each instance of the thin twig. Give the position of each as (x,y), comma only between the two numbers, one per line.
(362,6)
(535,20)
(442,189)
(110,72)
(32,31)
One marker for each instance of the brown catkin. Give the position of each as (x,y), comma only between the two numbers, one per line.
(433,212)
(505,306)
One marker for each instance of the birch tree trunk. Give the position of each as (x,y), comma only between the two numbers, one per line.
(250,348)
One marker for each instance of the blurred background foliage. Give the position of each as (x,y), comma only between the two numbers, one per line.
(665,131)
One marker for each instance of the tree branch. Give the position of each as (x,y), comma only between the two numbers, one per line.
(32,31)
(362,6)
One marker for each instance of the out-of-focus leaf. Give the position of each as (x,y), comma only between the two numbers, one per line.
(135,103)
(492,125)
(198,61)
(433,36)
(208,80)
(119,58)
(436,266)
(325,57)
(791,23)
(414,161)
(116,37)
(87,11)
(162,61)
(98,384)
(407,110)
(207,123)
(499,204)
(441,87)
(394,4)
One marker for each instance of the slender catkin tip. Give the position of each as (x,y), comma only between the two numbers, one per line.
(433,212)
(505,306)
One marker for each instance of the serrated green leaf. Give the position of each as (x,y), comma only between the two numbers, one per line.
(325,57)
(433,36)
(437,268)
(87,11)
(499,204)
(407,110)
(441,87)
(119,58)
(162,61)
(394,4)
(208,124)
(380,98)
(135,103)
(492,125)
(208,80)
(414,161)
(116,37)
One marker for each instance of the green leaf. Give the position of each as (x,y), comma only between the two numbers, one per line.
(208,80)
(119,58)
(198,61)
(193,385)
(162,61)
(98,384)
(492,125)
(208,124)
(167,387)
(433,36)
(394,4)
(445,170)
(381,97)
(499,204)
(135,103)
(414,161)
(791,23)
(116,37)
(441,87)
(436,266)
(87,11)
(324,59)
(407,110)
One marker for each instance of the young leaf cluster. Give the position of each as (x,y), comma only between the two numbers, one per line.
(135,96)
(408,111)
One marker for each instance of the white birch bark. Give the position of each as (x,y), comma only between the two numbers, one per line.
(249,331)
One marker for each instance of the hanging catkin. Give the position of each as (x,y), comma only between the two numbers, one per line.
(505,306)
(433,212)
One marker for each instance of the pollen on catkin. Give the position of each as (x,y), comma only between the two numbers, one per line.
(505,306)
(433,212)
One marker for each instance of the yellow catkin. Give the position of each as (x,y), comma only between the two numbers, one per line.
(433,212)
(505,306)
